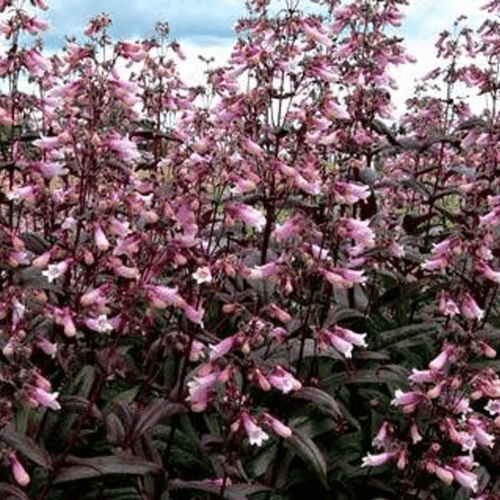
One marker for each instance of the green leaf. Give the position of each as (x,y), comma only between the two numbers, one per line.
(324,402)
(154,412)
(14,492)
(85,468)
(309,452)
(231,491)
(27,447)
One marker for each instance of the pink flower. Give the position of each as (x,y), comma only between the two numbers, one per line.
(357,230)
(201,390)
(380,459)
(44,398)
(99,324)
(346,192)
(439,362)
(101,241)
(408,400)
(18,471)
(163,296)
(469,307)
(342,278)
(249,215)
(194,315)
(56,270)
(283,380)
(202,275)
(289,228)
(224,347)
(382,439)
(255,433)
(278,427)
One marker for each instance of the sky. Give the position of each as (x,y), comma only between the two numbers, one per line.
(205,27)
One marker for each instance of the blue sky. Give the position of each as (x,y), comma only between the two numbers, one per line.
(205,27)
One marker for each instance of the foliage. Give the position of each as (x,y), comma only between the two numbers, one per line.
(182,289)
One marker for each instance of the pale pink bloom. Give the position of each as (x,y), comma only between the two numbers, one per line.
(415,433)
(444,474)
(125,149)
(253,148)
(320,253)
(439,362)
(283,380)
(131,273)
(55,271)
(162,296)
(255,433)
(382,438)
(201,390)
(465,478)
(408,400)
(202,275)
(491,218)
(249,215)
(469,307)
(357,230)
(35,63)
(27,193)
(278,313)
(493,407)
(447,306)
(194,315)
(346,192)
(357,339)
(224,347)
(488,272)
(261,272)
(261,380)
(279,333)
(278,427)
(196,350)
(342,278)
(46,346)
(18,471)
(44,398)
(33,25)
(423,376)
(101,241)
(380,459)
(99,324)
(69,326)
(477,427)
(288,228)
(327,337)
(50,169)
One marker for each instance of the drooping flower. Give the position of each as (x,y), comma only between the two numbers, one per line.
(380,459)
(18,471)
(255,433)
(283,380)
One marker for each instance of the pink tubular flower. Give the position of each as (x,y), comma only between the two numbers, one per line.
(469,307)
(278,427)
(255,433)
(163,296)
(201,390)
(380,459)
(18,471)
(44,398)
(408,400)
(346,192)
(261,272)
(357,230)
(249,215)
(194,315)
(342,278)
(439,362)
(223,347)
(283,380)
(327,337)
(288,228)
(101,241)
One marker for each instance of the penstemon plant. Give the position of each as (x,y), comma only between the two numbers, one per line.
(226,300)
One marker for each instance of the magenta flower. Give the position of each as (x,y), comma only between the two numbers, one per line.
(249,215)
(277,426)
(408,400)
(224,347)
(18,471)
